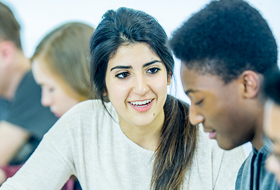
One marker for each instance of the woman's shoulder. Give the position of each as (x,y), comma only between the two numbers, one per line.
(83,114)
(90,107)
(87,105)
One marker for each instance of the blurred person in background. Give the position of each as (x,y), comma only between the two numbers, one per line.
(272,122)
(60,66)
(23,120)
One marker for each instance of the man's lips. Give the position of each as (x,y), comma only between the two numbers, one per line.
(212,133)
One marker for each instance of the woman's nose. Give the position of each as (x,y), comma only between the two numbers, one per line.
(46,99)
(141,86)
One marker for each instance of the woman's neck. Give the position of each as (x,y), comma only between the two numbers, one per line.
(145,136)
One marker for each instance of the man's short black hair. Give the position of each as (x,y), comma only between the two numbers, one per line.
(272,87)
(226,38)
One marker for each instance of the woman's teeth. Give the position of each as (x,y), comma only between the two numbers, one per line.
(140,103)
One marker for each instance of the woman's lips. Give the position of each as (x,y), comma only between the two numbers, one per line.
(57,115)
(142,107)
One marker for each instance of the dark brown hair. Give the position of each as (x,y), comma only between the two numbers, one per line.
(176,147)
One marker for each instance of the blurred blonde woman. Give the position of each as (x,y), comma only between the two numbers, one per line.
(60,66)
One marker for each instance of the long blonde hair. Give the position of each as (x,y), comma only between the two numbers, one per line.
(65,53)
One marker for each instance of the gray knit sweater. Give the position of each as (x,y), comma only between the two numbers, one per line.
(88,143)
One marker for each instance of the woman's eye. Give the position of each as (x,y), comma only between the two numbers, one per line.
(51,89)
(199,102)
(153,70)
(122,75)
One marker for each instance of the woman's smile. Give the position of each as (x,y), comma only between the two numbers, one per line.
(142,106)
(136,83)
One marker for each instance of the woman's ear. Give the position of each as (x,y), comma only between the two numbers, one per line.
(169,79)
(105,92)
(251,83)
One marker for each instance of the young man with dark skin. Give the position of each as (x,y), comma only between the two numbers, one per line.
(227,49)
(23,120)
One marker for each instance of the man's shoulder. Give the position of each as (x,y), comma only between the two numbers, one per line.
(4,108)
(245,167)
(26,110)
(253,171)
(27,85)
(244,173)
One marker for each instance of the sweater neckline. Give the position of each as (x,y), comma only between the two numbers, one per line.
(128,141)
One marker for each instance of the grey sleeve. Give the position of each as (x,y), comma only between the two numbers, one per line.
(26,110)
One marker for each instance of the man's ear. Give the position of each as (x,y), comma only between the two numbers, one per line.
(7,52)
(169,79)
(251,83)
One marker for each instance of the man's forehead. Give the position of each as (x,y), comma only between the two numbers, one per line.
(193,79)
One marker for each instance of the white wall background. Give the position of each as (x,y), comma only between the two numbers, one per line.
(38,17)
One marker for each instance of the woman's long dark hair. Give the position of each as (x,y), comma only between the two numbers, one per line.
(178,137)
(176,147)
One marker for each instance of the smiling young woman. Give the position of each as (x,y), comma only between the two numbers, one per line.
(136,81)
(136,136)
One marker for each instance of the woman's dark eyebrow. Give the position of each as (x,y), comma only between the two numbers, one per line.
(152,62)
(121,67)
(130,67)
